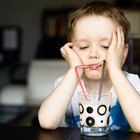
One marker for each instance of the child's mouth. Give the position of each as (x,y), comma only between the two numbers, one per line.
(95,66)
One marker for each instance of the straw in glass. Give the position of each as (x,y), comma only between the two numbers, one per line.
(94,66)
(102,80)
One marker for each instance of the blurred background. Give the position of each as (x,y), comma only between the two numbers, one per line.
(31,34)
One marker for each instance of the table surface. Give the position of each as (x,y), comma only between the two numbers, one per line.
(37,133)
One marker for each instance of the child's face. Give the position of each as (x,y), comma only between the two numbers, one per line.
(92,36)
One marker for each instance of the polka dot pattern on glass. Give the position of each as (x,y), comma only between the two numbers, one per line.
(94,116)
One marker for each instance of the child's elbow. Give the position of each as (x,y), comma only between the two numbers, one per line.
(136,129)
(46,124)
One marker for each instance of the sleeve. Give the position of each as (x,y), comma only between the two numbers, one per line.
(58,80)
(135,81)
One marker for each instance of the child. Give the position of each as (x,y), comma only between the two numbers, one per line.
(97,31)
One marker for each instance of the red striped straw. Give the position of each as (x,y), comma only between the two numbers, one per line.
(79,79)
(94,66)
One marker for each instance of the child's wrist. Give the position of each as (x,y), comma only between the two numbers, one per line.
(113,71)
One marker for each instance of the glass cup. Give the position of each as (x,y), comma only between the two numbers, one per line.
(94,113)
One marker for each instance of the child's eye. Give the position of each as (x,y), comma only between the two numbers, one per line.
(106,47)
(83,47)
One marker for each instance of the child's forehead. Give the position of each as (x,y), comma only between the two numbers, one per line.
(96,16)
(94,27)
(82,39)
(97,20)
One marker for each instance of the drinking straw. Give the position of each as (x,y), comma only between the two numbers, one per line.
(94,66)
(76,70)
(102,80)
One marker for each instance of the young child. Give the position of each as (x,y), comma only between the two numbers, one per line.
(97,31)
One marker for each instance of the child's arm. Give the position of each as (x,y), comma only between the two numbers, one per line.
(127,95)
(55,105)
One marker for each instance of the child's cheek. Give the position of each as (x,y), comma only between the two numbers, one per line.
(103,54)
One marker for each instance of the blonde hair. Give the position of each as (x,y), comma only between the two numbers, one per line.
(99,8)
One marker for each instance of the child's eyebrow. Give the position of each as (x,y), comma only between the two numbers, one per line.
(106,39)
(81,40)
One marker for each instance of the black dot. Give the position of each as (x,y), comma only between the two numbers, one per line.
(109,108)
(82,108)
(89,110)
(108,119)
(102,121)
(105,109)
(90,121)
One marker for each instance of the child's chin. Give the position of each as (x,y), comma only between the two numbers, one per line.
(94,76)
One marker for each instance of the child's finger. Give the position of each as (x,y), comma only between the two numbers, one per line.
(67,46)
(63,53)
(63,49)
(120,37)
(114,41)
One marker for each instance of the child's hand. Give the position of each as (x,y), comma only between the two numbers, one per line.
(116,53)
(70,55)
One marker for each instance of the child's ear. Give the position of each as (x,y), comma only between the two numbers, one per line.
(125,53)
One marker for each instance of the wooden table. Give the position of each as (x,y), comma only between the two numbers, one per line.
(37,133)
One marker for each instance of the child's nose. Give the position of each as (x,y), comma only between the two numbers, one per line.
(93,52)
